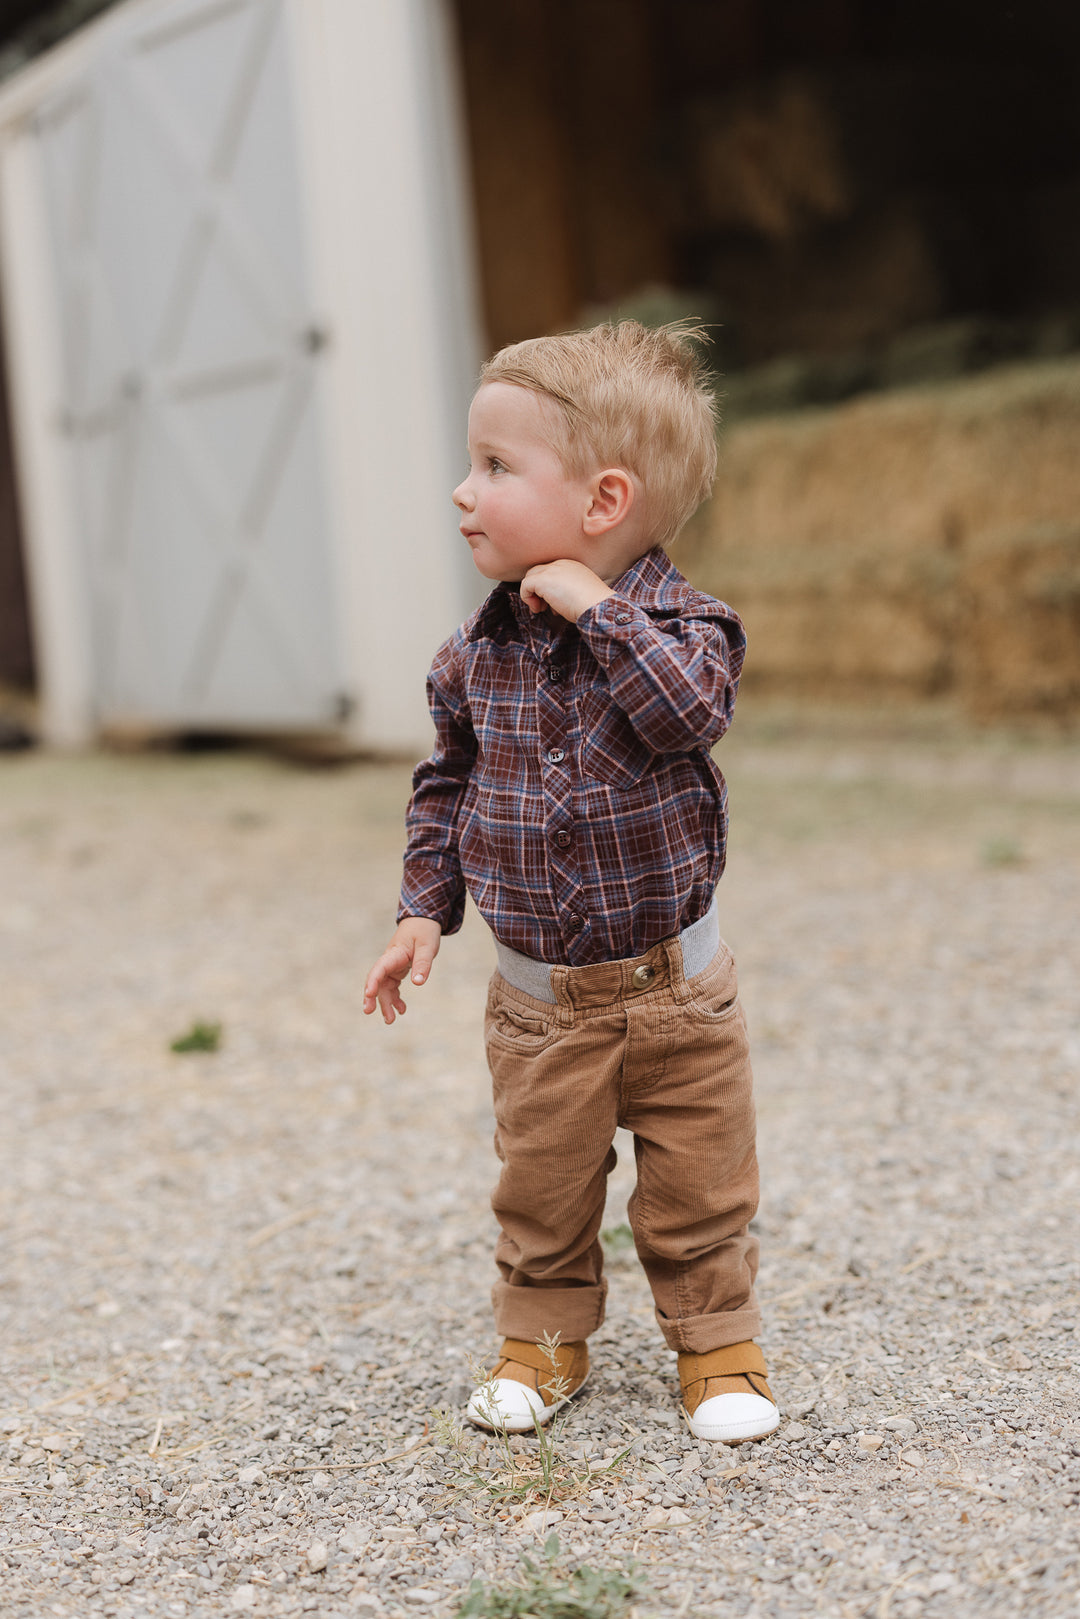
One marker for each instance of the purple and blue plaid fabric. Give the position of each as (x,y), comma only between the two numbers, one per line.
(571,789)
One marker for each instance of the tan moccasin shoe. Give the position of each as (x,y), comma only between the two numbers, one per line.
(725,1395)
(528,1385)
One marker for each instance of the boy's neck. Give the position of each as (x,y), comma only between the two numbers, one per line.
(623,562)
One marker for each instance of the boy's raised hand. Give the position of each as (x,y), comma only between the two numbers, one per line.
(569,588)
(414,946)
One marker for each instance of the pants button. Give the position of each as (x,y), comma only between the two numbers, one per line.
(643,976)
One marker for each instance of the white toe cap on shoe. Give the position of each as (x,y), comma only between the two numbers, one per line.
(731,1418)
(505,1404)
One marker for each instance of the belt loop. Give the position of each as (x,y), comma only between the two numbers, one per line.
(560,988)
(676,977)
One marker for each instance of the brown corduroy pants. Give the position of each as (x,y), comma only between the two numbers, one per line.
(668,1061)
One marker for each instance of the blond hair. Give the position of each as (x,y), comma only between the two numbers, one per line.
(629,396)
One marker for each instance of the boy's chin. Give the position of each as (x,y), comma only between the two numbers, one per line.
(497,575)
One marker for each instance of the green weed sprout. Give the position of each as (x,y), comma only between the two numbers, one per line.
(200,1037)
(545,1593)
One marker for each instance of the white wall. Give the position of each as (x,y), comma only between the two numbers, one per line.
(391,223)
(388,250)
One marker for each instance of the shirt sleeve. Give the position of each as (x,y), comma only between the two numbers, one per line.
(675,681)
(432,884)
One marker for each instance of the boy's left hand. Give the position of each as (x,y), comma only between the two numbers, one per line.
(569,588)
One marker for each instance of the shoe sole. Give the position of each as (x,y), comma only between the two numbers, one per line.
(732,1439)
(542,1417)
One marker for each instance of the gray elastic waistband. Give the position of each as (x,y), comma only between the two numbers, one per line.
(700,942)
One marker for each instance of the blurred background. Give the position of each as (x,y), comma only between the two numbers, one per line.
(253,251)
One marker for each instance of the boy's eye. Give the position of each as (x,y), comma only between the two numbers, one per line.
(495,465)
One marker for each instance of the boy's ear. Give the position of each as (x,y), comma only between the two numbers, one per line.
(612,494)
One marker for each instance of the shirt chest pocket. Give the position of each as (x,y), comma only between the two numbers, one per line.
(507,734)
(611,750)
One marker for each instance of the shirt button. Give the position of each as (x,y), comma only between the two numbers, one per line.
(643,976)
(555,671)
(622,618)
(564,839)
(556,755)
(574,922)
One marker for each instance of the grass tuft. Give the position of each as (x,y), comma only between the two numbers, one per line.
(200,1037)
(1002,851)
(617,1240)
(527,1475)
(546,1592)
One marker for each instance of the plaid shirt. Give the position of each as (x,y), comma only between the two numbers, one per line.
(571,789)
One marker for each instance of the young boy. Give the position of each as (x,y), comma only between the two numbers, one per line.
(571,791)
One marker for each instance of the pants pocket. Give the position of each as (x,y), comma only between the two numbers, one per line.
(714,993)
(518,1029)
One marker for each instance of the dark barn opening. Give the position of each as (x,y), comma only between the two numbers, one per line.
(893,190)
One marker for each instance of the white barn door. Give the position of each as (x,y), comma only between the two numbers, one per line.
(191,360)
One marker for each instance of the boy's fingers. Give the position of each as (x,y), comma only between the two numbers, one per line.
(373,988)
(390,1001)
(529,594)
(393,963)
(422,959)
(383,980)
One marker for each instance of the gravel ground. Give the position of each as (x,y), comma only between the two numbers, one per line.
(236,1285)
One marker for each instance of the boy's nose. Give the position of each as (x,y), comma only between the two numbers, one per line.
(462,496)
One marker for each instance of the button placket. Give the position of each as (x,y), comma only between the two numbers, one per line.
(553,699)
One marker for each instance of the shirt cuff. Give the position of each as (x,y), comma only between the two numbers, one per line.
(612,620)
(437,896)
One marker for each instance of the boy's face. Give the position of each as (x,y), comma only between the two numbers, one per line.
(518,505)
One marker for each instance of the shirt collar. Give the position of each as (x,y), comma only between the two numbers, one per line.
(653,582)
(499,613)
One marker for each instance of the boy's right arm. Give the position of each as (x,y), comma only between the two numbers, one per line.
(432,890)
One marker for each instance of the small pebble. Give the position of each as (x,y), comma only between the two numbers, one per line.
(535,1523)
(903,1426)
(354,1537)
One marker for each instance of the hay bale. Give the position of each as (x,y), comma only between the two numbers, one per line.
(849,624)
(870,546)
(1021,647)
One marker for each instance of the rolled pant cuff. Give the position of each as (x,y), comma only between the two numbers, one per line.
(697,1334)
(529,1312)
